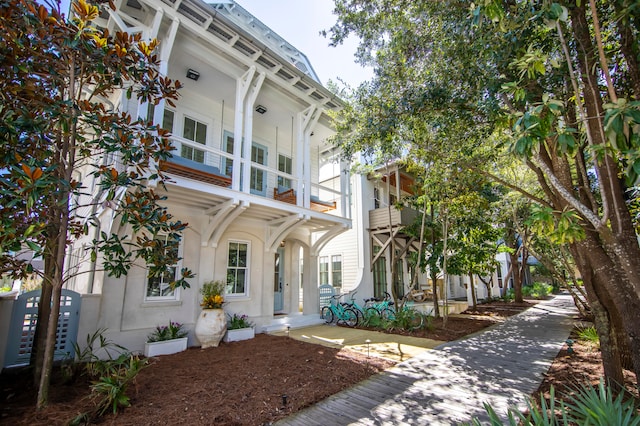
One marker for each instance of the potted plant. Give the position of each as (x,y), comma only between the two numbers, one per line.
(211,324)
(166,340)
(239,327)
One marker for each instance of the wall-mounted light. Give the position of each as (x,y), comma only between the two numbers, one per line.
(192,74)
(260,109)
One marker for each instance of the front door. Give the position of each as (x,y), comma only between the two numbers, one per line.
(278,277)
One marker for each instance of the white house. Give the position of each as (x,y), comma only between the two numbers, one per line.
(258,214)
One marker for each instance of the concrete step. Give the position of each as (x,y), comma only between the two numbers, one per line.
(293,321)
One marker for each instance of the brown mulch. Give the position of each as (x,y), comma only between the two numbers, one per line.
(253,382)
(569,371)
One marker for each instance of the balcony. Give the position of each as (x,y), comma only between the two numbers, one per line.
(216,167)
(379,218)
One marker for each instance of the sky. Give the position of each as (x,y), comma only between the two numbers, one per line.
(300,22)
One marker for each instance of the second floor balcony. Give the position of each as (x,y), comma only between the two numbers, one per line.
(206,164)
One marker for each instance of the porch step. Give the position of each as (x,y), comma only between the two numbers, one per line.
(293,321)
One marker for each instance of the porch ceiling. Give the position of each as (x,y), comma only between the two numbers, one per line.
(259,208)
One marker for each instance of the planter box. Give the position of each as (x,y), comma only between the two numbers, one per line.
(239,334)
(165,347)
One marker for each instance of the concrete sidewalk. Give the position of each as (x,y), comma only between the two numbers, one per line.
(385,345)
(448,385)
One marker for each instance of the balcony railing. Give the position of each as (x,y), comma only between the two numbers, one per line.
(212,165)
(379,218)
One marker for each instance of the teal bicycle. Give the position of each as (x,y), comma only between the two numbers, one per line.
(339,313)
(361,311)
(383,308)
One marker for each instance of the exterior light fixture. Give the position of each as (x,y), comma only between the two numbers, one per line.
(261,109)
(193,74)
(570,349)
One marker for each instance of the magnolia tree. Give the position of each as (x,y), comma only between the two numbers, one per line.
(56,76)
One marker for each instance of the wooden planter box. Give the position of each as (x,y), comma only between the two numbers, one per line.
(239,334)
(165,347)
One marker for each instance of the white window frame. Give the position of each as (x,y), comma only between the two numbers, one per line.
(175,295)
(333,271)
(283,181)
(193,150)
(324,260)
(247,269)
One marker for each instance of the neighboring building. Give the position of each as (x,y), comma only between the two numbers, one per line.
(359,260)
(258,213)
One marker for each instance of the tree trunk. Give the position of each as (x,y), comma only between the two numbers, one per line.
(616,243)
(609,347)
(44,306)
(629,48)
(434,273)
(474,299)
(436,305)
(515,274)
(49,351)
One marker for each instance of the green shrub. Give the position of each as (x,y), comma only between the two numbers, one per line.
(587,406)
(86,361)
(509,295)
(373,319)
(110,389)
(111,376)
(591,406)
(590,335)
(537,290)
(407,318)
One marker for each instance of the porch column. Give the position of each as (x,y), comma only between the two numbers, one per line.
(165,51)
(311,301)
(292,275)
(307,120)
(252,94)
(345,190)
(243,84)
(268,268)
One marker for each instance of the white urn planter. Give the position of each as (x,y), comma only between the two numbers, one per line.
(165,347)
(240,334)
(210,327)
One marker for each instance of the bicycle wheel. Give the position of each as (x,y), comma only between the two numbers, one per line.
(371,312)
(327,314)
(388,314)
(350,317)
(416,321)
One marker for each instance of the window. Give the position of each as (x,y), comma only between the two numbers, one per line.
(499,272)
(284,166)
(197,132)
(159,287)
(258,176)
(331,270)
(237,268)
(324,270)
(336,270)
(379,275)
(376,198)
(398,280)
(167,119)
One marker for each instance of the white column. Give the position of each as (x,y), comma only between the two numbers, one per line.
(242,87)
(310,285)
(254,89)
(345,189)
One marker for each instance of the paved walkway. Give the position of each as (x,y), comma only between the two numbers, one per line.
(385,345)
(502,366)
